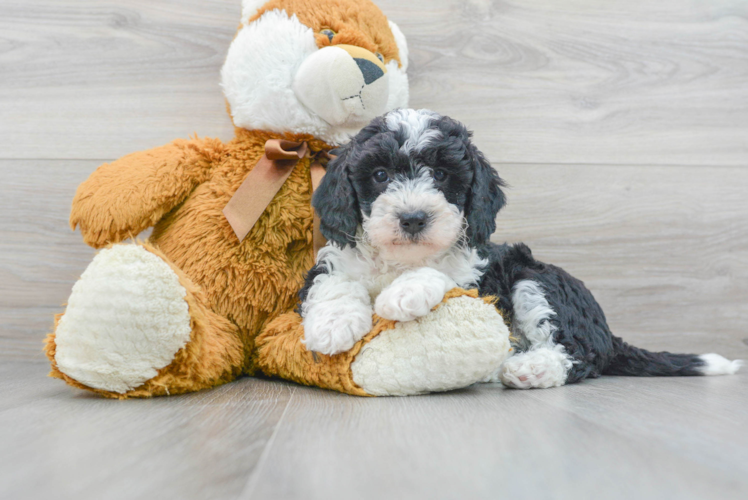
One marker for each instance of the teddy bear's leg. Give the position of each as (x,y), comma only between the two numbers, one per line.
(136,326)
(462,341)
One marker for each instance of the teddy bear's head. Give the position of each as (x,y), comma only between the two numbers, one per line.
(319,67)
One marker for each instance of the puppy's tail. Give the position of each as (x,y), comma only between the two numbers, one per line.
(632,361)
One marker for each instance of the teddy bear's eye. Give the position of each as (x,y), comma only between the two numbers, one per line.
(328,33)
(380,57)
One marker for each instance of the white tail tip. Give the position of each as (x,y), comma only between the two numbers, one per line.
(714,364)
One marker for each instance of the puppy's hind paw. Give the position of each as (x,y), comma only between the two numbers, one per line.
(540,368)
(335,326)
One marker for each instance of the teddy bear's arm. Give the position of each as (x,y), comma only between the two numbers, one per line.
(122,198)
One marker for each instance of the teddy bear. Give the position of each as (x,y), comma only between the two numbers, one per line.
(209,296)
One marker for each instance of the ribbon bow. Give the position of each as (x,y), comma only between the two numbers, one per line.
(264,181)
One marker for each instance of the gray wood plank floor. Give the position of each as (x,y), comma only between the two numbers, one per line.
(618,438)
(621,127)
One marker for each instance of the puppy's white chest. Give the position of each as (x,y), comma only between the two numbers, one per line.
(375,284)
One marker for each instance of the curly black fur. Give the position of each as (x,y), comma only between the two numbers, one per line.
(347,192)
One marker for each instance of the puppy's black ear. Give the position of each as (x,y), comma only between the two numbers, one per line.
(335,202)
(485,201)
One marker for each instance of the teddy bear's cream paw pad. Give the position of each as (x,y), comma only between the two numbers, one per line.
(462,342)
(126,318)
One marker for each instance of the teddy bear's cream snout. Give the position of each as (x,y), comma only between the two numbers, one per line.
(343,84)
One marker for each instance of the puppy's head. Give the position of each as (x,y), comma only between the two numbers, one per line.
(412,185)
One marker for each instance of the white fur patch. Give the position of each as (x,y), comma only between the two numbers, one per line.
(714,364)
(126,319)
(415,123)
(382,226)
(337,314)
(402,45)
(366,265)
(544,364)
(413,294)
(338,310)
(399,87)
(258,79)
(258,74)
(532,314)
(540,368)
(462,342)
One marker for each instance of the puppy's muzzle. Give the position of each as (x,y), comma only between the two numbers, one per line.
(414,223)
(343,84)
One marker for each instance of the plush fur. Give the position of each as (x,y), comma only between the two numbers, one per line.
(213,355)
(214,293)
(150,326)
(462,341)
(408,207)
(390,170)
(193,236)
(283,74)
(564,330)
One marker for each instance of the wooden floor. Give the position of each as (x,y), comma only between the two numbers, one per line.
(613,438)
(622,129)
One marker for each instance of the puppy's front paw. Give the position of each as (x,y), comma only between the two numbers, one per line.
(406,301)
(335,326)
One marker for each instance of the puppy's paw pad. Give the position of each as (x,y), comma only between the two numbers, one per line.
(335,326)
(406,301)
(542,368)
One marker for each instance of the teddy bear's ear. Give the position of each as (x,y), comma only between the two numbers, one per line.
(402,44)
(250,8)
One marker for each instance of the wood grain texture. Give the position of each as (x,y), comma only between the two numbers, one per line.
(540,82)
(575,81)
(612,438)
(488,442)
(40,256)
(103,78)
(67,444)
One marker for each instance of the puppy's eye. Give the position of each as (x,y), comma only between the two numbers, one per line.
(381,175)
(380,56)
(328,33)
(439,174)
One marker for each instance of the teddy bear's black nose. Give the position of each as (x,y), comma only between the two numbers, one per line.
(414,222)
(371,71)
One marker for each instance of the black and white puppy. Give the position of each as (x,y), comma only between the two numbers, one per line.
(408,208)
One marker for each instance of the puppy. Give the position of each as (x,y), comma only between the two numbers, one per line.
(408,208)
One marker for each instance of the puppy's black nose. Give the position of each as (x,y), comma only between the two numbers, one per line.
(414,222)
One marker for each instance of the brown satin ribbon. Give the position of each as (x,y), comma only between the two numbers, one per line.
(318,241)
(264,181)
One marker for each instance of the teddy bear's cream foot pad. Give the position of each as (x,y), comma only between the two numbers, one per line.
(462,342)
(126,319)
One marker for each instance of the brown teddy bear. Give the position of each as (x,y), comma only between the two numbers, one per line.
(233,227)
